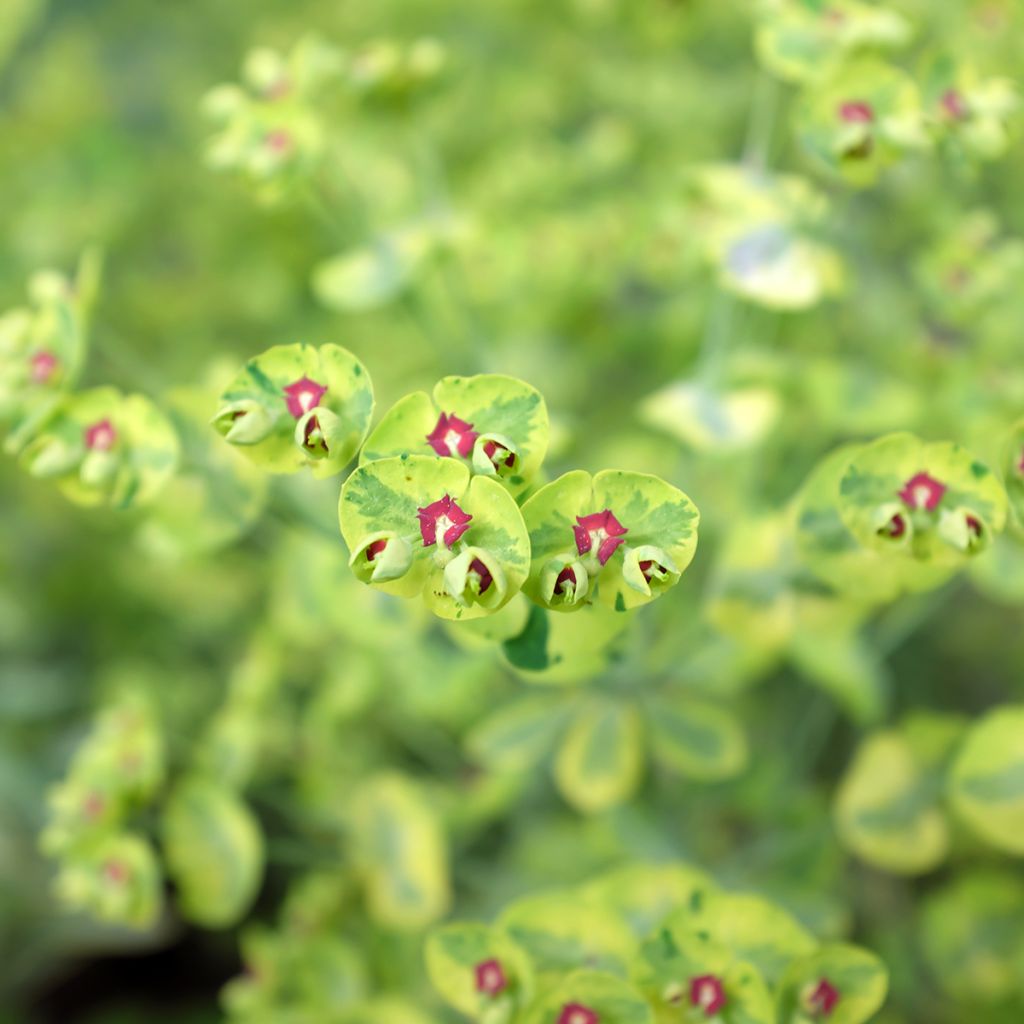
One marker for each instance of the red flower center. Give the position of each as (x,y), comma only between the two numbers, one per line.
(376,548)
(452,436)
(824,997)
(490,978)
(482,573)
(600,529)
(922,491)
(708,993)
(856,112)
(954,104)
(101,436)
(566,579)
(43,366)
(575,1013)
(442,520)
(499,454)
(896,527)
(303,395)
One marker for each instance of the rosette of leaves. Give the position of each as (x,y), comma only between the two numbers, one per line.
(43,346)
(931,502)
(861,120)
(650,944)
(970,114)
(268,128)
(298,406)
(496,426)
(986,782)
(758,233)
(803,40)
(423,524)
(104,448)
(618,538)
(215,496)
(888,808)
(969,269)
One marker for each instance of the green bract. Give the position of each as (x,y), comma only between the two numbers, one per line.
(393,514)
(498,426)
(104,448)
(802,40)
(861,120)
(986,784)
(934,503)
(618,538)
(296,406)
(858,976)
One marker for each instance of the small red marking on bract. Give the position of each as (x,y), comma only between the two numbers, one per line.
(444,513)
(303,395)
(452,436)
(922,491)
(490,978)
(602,527)
(100,436)
(707,992)
(824,997)
(44,365)
(856,112)
(576,1013)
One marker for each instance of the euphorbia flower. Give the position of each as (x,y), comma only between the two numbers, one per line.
(452,436)
(475,577)
(822,998)
(100,436)
(495,453)
(564,581)
(648,568)
(43,366)
(856,112)
(576,1013)
(381,557)
(442,521)
(244,422)
(922,491)
(490,978)
(707,992)
(303,395)
(896,527)
(602,529)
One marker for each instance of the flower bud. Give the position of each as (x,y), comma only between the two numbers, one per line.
(318,432)
(244,422)
(495,454)
(52,456)
(649,569)
(381,557)
(476,577)
(564,582)
(963,530)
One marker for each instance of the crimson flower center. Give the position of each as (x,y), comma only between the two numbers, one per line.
(707,993)
(490,977)
(303,395)
(452,436)
(856,112)
(100,436)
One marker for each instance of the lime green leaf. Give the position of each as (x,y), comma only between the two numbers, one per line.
(613,1000)
(401,852)
(859,978)
(986,784)
(601,756)
(886,808)
(214,851)
(697,739)
(516,736)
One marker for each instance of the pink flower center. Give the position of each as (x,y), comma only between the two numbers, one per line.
(856,112)
(499,454)
(43,366)
(575,1013)
(442,521)
(482,573)
(954,104)
(490,978)
(823,998)
(707,993)
(922,491)
(101,436)
(452,436)
(600,529)
(278,140)
(303,395)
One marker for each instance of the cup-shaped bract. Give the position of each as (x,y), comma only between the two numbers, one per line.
(863,119)
(933,502)
(456,538)
(495,425)
(632,533)
(801,42)
(298,405)
(269,129)
(105,448)
(838,983)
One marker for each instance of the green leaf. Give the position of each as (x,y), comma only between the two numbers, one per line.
(401,853)
(986,783)
(516,736)
(600,759)
(697,739)
(859,977)
(886,808)
(214,851)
